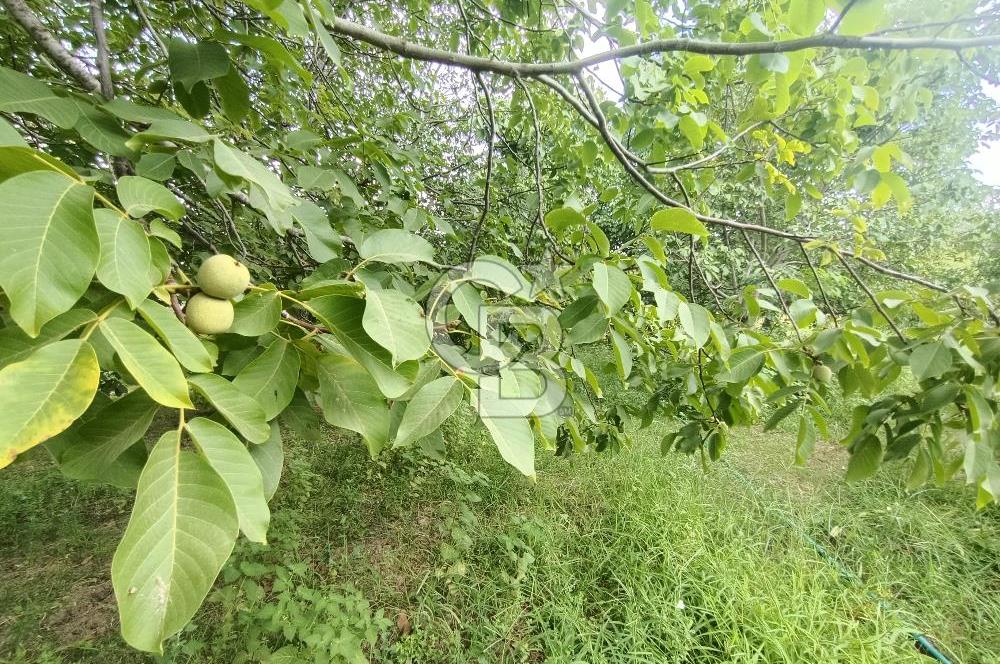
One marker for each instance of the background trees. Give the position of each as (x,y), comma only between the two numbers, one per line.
(764,192)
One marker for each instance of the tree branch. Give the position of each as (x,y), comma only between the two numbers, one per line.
(539,190)
(871,296)
(103,56)
(774,285)
(822,291)
(410,49)
(63,59)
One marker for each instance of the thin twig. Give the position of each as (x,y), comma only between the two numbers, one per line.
(836,24)
(774,285)
(149,25)
(539,190)
(822,291)
(870,294)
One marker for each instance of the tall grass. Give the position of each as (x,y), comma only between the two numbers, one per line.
(625,558)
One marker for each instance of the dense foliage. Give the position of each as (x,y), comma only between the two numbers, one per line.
(441,202)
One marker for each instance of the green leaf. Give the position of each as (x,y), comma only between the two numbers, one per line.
(15,345)
(23,94)
(186,347)
(150,364)
(100,129)
(678,220)
(197,101)
(863,17)
(930,360)
(322,239)
(805,440)
(428,409)
(181,532)
(396,246)
(234,95)
(158,228)
(271,378)
(232,461)
(694,130)
(697,64)
(694,320)
(48,249)
(256,314)
(277,55)
(921,470)
(396,322)
(156,166)
(793,204)
(804,16)
(140,196)
(9,135)
(562,218)
(99,443)
(514,440)
(623,355)
(192,63)
(744,363)
(15,160)
(351,399)
(270,457)
(170,130)
(42,395)
(126,261)
(795,286)
(240,164)
(612,286)
(775,62)
(865,459)
(501,274)
(343,316)
(780,415)
(302,418)
(667,305)
(244,413)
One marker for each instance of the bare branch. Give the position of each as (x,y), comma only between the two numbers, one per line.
(149,25)
(65,60)
(539,190)
(812,268)
(774,285)
(409,49)
(101,41)
(871,296)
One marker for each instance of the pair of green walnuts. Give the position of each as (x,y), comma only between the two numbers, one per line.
(220,279)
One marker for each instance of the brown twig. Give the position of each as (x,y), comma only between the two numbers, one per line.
(774,285)
(870,294)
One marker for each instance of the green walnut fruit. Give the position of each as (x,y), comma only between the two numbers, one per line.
(822,373)
(223,277)
(209,315)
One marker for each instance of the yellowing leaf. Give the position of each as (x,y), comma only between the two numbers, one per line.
(42,395)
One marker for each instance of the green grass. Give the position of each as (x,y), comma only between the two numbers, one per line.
(626,558)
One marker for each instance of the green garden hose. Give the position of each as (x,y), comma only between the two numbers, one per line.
(924,645)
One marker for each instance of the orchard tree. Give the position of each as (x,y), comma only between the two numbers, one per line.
(443,201)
